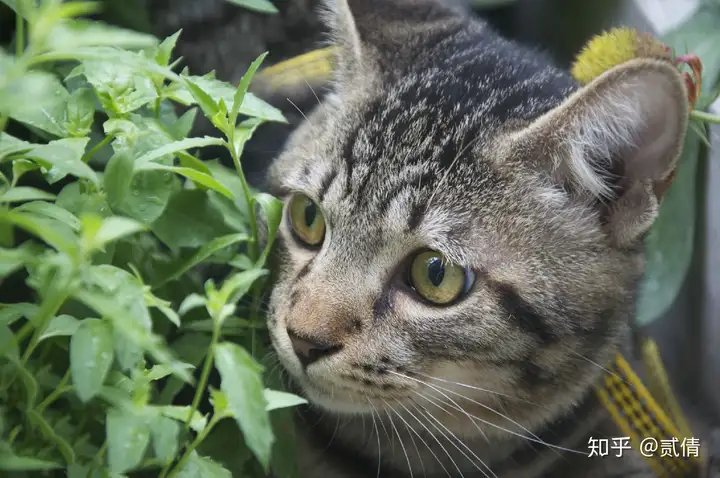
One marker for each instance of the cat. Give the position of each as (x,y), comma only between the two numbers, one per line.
(460,248)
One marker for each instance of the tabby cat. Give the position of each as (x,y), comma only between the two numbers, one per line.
(460,248)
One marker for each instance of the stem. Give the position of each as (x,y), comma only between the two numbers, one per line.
(19,31)
(47,311)
(3,122)
(88,156)
(186,456)
(59,390)
(205,373)
(705,117)
(253,246)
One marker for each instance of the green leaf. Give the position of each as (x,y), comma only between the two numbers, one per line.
(10,145)
(176,146)
(192,174)
(9,313)
(118,178)
(46,111)
(669,244)
(51,211)
(237,285)
(272,207)
(209,107)
(71,34)
(189,220)
(8,343)
(181,414)
(12,462)
(128,436)
(25,193)
(200,256)
(202,467)
(183,126)
(263,6)
(61,326)
(277,399)
(80,112)
(243,87)
(64,157)
(52,232)
(165,437)
(242,383)
(165,49)
(91,355)
(120,88)
(216,90)
(113,228)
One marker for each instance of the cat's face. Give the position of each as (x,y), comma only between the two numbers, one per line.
(443,235)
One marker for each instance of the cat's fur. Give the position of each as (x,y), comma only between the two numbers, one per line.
(441,135)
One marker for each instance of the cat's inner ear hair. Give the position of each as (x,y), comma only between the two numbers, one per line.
(616,140)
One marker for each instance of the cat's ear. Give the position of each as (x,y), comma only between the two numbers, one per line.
(377,37)
(616,140)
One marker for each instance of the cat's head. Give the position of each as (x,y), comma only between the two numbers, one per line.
(460,212)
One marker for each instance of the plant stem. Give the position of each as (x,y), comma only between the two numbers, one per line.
(19,31)
(59,390)
(205,374)
(253,246)
(186,456)
(88,156)
(47,311)
(705,117)
(3,121)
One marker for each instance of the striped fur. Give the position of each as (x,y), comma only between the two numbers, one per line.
(439,134)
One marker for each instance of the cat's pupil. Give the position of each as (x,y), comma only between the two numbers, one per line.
(436,271)
(310,213)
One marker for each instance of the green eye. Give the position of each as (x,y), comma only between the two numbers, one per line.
(306,220)
(437,280)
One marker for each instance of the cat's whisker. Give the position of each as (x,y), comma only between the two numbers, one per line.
(421,438)
(402,445)
(598,365)
(456,407)
(377,433)
(415,406)
(429,416)
(301,112)
(412,439)
(313,91)
(479,389)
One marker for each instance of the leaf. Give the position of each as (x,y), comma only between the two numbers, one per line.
(10,145)
(242,383)
(128,436)
(201,255)
(12,462)
(118,178)
(25,193)
(91,355)
(46,111)
(70,34)
(189,220)
(272,207)
(263,6)
(9,313)
(64,157)
(216,90)
(669,244)
(176,146)
(11,260)
(114,228)
(237,285)
(277,399)
(8,343)
(164,50)
(193,174)
(61,326)
(202,467)
(165,437)
(183,126)
(51,211)
(181,414)
(80,112)
(243,87)
(52,232)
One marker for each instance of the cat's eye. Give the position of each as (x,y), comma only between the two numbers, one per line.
(306,220)
(438,280)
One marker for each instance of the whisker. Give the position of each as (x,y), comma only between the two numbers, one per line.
(402,445)
(421,438)
(438,442)
(300,111)
(377,433)
(472,387)
(412,439)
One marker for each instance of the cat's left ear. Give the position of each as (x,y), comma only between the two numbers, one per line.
(616,139)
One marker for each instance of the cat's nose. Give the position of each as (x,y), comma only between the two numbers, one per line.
(310,350)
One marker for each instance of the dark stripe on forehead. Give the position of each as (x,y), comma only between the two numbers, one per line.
(523,314)
(326,183)
(412,182)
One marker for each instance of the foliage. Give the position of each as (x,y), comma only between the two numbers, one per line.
(106,216)
(671,242)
